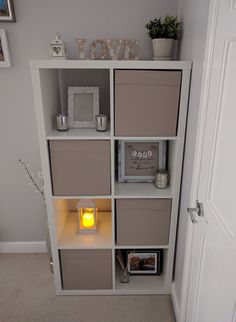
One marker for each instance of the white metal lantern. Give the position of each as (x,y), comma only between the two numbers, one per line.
(58,48)
(87,216)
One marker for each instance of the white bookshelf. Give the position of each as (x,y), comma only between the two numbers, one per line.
(63,220)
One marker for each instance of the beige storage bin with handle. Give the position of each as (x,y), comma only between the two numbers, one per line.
(86,269)
(80,167)
(146,102)
(142,221)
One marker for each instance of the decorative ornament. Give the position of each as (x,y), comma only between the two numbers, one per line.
(131,49)
(82,48)
(99,53)
(115,49)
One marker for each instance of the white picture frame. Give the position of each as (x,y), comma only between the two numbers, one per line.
(4,50)
(139,164)
(83,105)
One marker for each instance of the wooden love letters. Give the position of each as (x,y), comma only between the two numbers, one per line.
(115,49)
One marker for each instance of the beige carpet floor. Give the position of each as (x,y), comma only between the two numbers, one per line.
(27,295)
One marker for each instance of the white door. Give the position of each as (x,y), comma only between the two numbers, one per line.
(212,292)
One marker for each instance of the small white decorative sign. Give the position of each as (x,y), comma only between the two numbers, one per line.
(58,48)
(139,161)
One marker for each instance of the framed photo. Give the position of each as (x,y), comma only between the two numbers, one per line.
(7,11)
(144,262)
(139,161)
(4,51)
(83,105)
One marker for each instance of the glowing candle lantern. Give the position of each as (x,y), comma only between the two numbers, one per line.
(87,216)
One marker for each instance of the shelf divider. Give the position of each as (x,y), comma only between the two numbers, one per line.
(140,190)
(79,134)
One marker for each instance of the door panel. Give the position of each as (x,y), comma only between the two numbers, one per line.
(216,295)
(212,292)
(223,173)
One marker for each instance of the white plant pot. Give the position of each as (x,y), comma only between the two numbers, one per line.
(162,48)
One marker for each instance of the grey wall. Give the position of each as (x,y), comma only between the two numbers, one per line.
(22,212)
(194,15)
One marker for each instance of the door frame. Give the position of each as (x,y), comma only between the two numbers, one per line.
(181,311)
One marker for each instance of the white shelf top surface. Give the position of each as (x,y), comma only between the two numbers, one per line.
(141,283)
(83,197)
(141,247)
(140,190)
(70,239)
(92,134)
(109,64)
(78,134)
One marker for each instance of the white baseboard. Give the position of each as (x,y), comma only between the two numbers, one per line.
(175,302)
(23,247)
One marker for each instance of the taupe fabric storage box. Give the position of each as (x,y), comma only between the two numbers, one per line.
(80,167)
(86,269)
(142,221)
(146,102)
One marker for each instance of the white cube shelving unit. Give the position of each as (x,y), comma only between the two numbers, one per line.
(50,81)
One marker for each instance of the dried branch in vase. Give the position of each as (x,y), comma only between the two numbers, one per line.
(38,184)
(35,182)
(121,261)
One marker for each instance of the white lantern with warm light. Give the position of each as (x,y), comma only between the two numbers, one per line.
(87,216)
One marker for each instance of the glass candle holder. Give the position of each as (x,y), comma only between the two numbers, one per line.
(124,277)
(101,122)
(162,179)
(62,122)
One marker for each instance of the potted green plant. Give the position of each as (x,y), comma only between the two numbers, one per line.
(163,32)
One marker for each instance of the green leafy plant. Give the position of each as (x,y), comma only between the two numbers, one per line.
(169,27)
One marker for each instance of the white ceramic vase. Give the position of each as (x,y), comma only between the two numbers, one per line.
(162,48)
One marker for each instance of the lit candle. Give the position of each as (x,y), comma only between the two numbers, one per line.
(88,219)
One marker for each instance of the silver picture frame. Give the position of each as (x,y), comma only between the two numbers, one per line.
(138,161)
(83,105)
(7,13)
